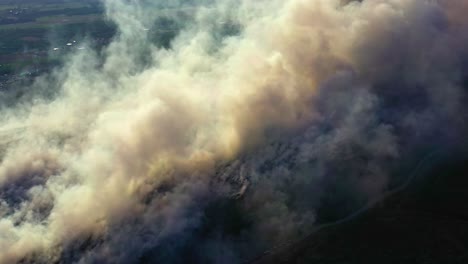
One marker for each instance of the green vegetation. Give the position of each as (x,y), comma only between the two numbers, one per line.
(48,21)
(29,28)
(33,30)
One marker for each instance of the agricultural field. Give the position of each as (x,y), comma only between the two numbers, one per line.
(35,34)
(31,30)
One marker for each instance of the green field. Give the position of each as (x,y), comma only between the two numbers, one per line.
(29,28)
(50,21)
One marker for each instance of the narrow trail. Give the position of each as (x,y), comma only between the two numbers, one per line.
(371,204)
(415,172)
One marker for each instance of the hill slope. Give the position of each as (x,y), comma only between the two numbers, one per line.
(426,223)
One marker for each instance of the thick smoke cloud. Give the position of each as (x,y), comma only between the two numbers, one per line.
(260,119)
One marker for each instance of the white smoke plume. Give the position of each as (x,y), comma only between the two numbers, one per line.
(227,141)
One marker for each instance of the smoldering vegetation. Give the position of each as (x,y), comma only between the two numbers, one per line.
(257,121)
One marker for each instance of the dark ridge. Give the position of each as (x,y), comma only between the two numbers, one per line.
(425,223)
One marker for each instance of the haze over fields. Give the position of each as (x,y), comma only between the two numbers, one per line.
(209,131)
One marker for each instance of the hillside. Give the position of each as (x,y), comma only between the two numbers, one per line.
(426,223)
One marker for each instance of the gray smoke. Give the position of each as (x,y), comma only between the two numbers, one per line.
(258,121)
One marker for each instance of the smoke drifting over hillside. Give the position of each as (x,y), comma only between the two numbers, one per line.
(233,138)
